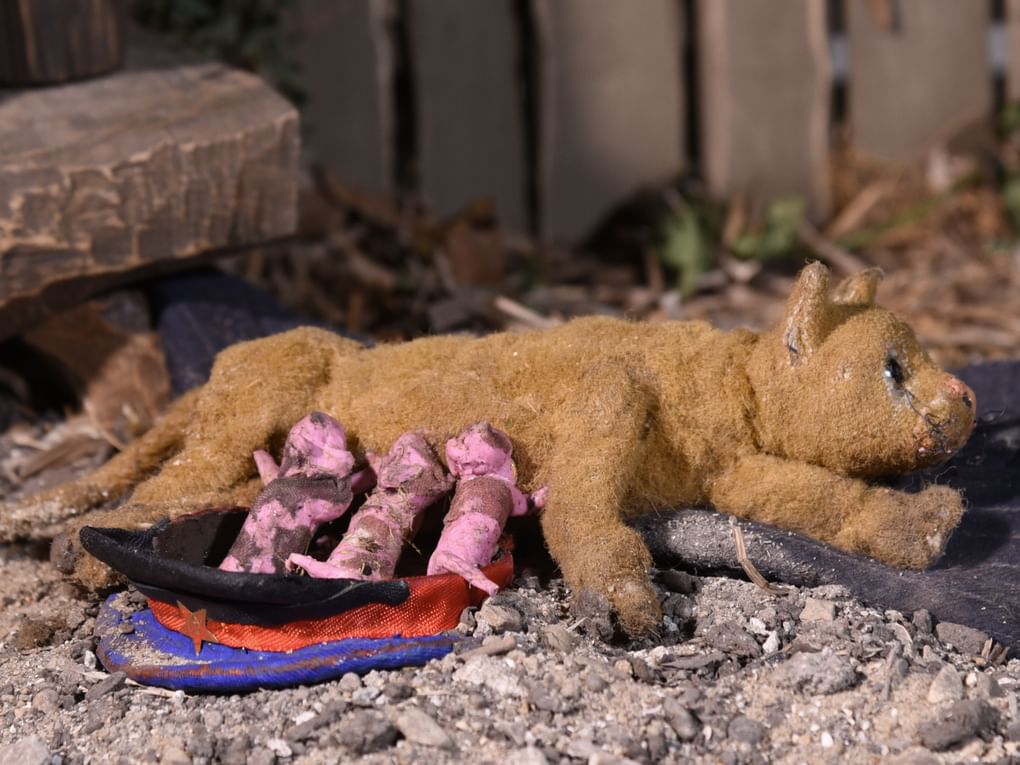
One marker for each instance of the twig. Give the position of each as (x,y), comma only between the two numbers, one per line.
(831,253)
(523,314)
(857,208)
(745,563)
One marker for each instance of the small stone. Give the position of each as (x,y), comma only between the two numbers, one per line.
(308,727)
(826,740)
(500,618)
(492,673)
(528,756)
(233,750)
(678,581)
(595,683)
(922,621)
(958,723)
(418,728)
(946,686)
(1012,732)
(742,728)
(26,751)
(967,640)
(680,719)
(816,610)
(107,685)
(639,667)
(539,697)
(350,682)
(260,756)
(823,672)
(279,747)
(213,718)
(397,691)
(174,755)
(559,638)
(772,643)
(365,697)
(730,638)
(364,731)
(46,700)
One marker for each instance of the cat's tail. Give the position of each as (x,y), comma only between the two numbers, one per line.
(43,515)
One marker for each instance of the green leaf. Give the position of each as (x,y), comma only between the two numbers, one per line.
(779,237)
(684,247)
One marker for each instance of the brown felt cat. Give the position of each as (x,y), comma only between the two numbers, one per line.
(615,417)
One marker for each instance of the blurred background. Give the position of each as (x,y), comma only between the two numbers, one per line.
(474,165)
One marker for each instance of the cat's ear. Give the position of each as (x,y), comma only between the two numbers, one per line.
(806,320)
(859,289)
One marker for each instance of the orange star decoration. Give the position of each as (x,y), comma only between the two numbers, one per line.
(194,627)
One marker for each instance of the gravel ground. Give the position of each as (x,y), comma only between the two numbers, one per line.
(738,676)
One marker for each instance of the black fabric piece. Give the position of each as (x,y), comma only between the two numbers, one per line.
(177,559)
(976,583)
(201,312)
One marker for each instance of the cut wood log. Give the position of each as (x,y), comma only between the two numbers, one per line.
(919,81)
(346,56)
(469,107)
(765,78)
(50,41)
(110,175)
(611,107)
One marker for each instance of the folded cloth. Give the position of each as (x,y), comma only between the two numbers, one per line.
(134,642)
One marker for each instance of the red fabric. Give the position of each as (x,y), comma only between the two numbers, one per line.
(434,605)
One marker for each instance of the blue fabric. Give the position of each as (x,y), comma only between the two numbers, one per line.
(153,654)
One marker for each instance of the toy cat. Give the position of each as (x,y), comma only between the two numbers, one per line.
(615,417)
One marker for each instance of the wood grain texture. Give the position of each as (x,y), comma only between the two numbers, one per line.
(918,81)
(345,53)
(140,167)
(50,41)
(464,56)
(611,106)
(764,78)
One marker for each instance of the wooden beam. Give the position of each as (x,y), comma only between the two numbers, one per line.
(764,83)
(611,113)
(918,77)
(50,41)
(346,58)
(109,175)
(469,99)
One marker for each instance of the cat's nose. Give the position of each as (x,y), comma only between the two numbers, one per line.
(962,391)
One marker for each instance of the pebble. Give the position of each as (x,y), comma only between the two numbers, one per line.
(418,728)
(683,722)
(260,756)
(822,673)
(922,621)
(595,683)
(816,610)
(958,723)
(350,682)
(213,718)
(365,731)
(173,754)
(365,697)
(493,645)
(772,643)
(106,685)
(492,673)
(743,728)
(730,638)
(233,750)
(27,751)
(279,747)
(530,755)
(967,640)
(500,618)
(46,700)
(946,686)
(559,638)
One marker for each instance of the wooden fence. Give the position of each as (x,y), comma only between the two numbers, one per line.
(559,109)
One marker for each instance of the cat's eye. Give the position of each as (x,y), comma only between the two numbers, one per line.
(894,371)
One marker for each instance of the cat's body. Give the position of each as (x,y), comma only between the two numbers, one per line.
(615,417)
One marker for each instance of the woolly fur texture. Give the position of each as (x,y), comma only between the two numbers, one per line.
(615,417)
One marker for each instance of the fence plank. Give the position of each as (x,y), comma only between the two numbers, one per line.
(346,63)
(917,77)
(469,103)
(764,77)
(611,106)
(1012,24)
